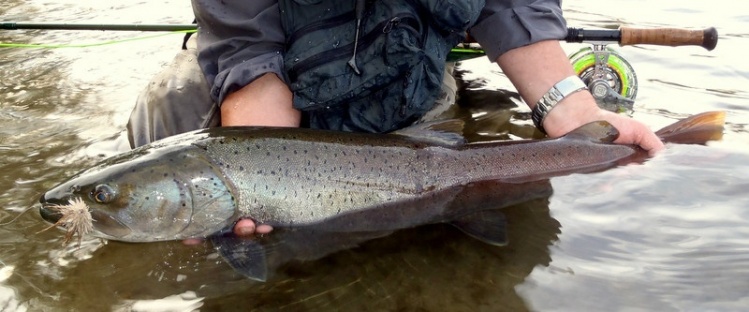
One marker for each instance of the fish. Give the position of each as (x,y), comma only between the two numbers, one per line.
(323,191)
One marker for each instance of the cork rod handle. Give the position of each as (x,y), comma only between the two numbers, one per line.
(707,38)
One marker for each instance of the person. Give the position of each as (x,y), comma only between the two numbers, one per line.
(240,52)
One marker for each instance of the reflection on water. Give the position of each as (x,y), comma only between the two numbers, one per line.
(431,267)
(666,235)
(657,246)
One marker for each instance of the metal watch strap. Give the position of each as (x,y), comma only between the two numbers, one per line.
(557,93)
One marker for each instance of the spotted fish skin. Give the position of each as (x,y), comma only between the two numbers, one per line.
(304,176)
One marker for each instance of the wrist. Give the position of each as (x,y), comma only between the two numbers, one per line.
(554,97)
(570,113)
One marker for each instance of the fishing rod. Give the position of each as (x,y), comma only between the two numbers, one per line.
(706,38)
(103,27)
(610,78)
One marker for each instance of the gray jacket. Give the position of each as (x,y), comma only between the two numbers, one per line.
(241,40)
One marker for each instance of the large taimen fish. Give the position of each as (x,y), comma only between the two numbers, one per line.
(313,185)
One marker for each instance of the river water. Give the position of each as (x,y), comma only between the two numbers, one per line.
(670,234)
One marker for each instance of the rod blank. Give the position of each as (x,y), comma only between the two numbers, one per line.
(113,27)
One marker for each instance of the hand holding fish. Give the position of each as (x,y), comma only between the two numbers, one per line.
(247,227)
(243,228)
(578,110)
(534,68)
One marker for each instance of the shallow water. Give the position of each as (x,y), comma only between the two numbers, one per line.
(670,234)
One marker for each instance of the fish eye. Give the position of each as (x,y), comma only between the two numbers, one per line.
(103,194)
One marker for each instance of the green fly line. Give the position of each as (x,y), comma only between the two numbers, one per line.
(87,45)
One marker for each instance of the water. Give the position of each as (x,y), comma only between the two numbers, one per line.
(670,234)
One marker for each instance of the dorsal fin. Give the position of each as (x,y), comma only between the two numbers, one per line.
(697,129)
(597,131)
(442,132)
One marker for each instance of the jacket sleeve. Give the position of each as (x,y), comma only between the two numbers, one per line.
(238,41)
(507,24)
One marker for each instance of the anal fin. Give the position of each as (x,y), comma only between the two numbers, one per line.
(488,226)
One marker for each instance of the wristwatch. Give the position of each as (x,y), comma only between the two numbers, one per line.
(557,93)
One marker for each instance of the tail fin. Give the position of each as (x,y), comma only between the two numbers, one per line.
(697,129)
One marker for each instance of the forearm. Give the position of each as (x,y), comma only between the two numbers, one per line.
(533,70)
(264,102)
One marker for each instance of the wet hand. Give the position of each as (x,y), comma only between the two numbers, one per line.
(633,132)
(243,228)
(247,227)
(580,109)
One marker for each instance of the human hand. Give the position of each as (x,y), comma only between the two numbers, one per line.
(248,227)
(243,228)
(580,108)
(534,68)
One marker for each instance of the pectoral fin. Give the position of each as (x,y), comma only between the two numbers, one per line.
(488,226)
(246,256)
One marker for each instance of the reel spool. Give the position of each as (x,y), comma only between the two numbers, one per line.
(610,78)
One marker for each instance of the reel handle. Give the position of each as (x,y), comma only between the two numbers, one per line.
(707,38)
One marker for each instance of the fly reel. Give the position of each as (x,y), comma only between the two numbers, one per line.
(609,77)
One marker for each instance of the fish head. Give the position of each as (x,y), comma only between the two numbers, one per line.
(167,193)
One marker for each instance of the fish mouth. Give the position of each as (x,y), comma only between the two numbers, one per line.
(47,211)
(102,224)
